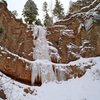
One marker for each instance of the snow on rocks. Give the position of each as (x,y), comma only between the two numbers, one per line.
(80,27)
(5,51)
(88,24)
(54,53)
(67,32)
(87,87)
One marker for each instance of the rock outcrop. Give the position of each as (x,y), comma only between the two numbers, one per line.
(78,34)
(17,38)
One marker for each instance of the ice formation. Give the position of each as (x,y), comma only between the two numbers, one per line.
(42,70)
(41,45)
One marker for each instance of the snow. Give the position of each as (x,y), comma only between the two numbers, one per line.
(93,12)
(88,24)
(82,62)
(50,43)
(54,53)
(71,46)
(96,16)
(84,88)
(92,15)
(97,8)
(60,26)
(67,32)
(80,27)
(72,49)
(85,42)
(75,54)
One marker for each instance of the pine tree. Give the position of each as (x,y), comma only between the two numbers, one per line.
(30,12)
(38,22)
(45,7)
(58,10)
(47,19)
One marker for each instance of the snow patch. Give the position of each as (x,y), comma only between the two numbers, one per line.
(88,24)
(67,32)
(54,53)
(80,27)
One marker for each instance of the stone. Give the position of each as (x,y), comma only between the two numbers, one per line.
(17,38)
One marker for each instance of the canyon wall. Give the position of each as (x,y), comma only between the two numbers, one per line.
(75,36)
(17,38)
(78,34)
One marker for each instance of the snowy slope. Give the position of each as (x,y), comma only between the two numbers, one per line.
(84,88)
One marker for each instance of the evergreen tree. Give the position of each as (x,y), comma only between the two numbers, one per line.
(30,12)
(58,10)
(38,22)
(45,7)
(47,19)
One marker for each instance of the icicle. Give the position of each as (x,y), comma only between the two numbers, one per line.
(44,70)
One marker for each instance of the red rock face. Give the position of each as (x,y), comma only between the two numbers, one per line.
(59,41)
(17,38)
(85,39)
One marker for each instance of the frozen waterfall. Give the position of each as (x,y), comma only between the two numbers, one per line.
(41,45)
(42,70)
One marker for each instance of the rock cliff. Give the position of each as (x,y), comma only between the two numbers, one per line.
(75,36)
(17,38)
(78,34)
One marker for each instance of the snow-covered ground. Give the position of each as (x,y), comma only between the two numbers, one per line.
(84,88)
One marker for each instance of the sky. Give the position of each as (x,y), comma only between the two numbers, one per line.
(19,5)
